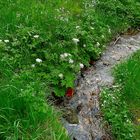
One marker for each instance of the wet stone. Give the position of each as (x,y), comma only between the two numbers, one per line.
(106,63)
(71,116)
(79,107)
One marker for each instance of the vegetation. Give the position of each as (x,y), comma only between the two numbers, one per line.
(24,113)
(124,99)
(43,45)
(128,74)
(116,114)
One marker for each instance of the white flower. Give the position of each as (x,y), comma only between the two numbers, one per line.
(91,28)
(84,45)
(103,36)
(62,56)
(104,101)
(36,36)
(61,75)
(38,60)
(98,44)
(77,27)
(33,65)
(75,40)
(0,40)
(81,65)
(71,61)
(65,54)
(88,81)
(6,41)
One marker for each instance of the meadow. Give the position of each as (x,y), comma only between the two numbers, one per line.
(44,44)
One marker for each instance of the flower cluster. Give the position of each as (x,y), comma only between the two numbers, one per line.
(97,44)
(38,60)
(6,41)
(33,65)
(36,36)
(71,61)
(75,40)
(81,65)
(61,76)
(66,57)
(84,45)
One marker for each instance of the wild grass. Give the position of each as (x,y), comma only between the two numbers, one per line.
(121,103)
(24,111)
(46,30)
(38,14)
(128,75)
(116,114)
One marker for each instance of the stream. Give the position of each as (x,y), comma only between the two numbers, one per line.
(83,119)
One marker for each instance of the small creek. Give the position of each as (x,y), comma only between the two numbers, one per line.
(83,119)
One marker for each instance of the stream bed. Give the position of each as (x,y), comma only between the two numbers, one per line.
(83,118)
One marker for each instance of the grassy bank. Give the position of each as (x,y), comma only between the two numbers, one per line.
(24,112)
(124,99)
(43,46)
(128,75)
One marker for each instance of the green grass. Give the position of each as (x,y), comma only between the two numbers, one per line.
(121,103)
(128,75)
(38,14)
(116,114)
(24,111)
(56,23)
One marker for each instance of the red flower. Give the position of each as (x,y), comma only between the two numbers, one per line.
(69,92)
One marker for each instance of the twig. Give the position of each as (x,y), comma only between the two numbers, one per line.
(115,42)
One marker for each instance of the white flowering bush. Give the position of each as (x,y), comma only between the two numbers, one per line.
(66,46)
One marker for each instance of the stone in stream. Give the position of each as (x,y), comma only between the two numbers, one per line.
(71,116)
(106,63)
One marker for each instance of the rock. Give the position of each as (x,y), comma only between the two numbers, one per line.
(79,107)
(106,63)
(71,116)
